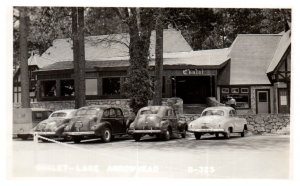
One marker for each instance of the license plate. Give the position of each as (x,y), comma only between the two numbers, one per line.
(205,127)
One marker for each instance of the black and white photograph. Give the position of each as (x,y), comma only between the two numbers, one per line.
(151,92)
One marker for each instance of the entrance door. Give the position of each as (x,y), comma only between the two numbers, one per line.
(194,89)
(262,101)
(283,105)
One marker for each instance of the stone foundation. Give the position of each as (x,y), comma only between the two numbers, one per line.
(258,124)
(177,103)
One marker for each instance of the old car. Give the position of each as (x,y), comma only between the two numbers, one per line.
(53,127)
(97,121)
(161,121)
(24,119)
(218,120)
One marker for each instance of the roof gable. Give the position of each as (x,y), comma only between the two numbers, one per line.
(114,45)
(250,56)
(283,45)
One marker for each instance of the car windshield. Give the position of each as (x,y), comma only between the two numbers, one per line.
(84,112)
(58,115)
(213,113)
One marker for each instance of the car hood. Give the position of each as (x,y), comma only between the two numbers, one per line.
(147,121)
(209,121)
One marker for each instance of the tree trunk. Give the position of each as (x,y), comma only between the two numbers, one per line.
(157,96)
(25,99)
(78,55)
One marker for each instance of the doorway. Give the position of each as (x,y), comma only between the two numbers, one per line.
(194,89)
(262,101)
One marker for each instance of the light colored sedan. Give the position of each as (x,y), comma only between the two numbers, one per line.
(53,127)
(218,120)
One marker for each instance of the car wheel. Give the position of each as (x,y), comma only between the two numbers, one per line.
(137,137)
(77,139)
(183,134)
(243,133)
(197,135)
(167,135)
(227,135)
(24,137)
(106,135)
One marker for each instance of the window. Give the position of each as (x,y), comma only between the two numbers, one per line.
(119,113)
(262,97)
(106,113)
(240,94)
(111,86)
(91,87)
(213,113)
(67,87)
(112,113)
(225,90)
(245,90)
(48,88)
(234,90)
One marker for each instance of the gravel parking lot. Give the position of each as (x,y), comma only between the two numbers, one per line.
(210,157)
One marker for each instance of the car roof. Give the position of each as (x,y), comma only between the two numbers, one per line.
(219,108)
(65,110)
(40,109)
(155,107)
(99,106)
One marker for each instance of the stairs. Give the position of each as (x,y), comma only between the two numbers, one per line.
(193,108)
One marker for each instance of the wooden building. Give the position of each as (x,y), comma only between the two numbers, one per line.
(255,70)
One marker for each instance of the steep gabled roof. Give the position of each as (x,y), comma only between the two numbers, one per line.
(112,46)
(283,45)
(250,56)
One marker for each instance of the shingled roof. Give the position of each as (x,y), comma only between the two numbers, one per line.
(203,58)
(112,46)
(250,56)
(283,45)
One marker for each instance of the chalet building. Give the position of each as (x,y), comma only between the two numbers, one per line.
(255,70)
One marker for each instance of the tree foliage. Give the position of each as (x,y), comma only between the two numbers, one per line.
(137,85)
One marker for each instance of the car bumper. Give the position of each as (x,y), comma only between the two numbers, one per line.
(145,131)
(206,130)
(86,133)
(45,133)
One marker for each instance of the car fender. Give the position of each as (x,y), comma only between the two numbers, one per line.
(226,125)
(182,126)
(101,126)
(165,124)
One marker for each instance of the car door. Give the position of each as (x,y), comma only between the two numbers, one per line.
(109,116)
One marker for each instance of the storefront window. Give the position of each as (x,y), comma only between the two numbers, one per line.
(111,86)
(49,88)
(67,87)
(91,87)
(240,94)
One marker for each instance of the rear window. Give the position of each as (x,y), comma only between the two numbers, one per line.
(213,113)
(58,115)
(149,112)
